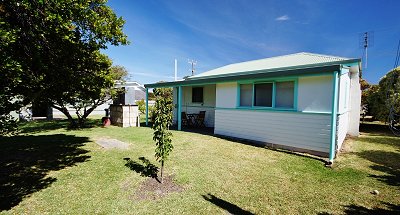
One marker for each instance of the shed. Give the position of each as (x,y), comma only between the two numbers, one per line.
(303,102)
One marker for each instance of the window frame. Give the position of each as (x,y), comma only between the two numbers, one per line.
(202,94)
(273,107)
(273,94)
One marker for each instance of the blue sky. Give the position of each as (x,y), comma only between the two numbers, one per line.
(220,32)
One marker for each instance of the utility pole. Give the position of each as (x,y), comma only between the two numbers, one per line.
(193,62)
(176,70)
(366,40)
(366,48)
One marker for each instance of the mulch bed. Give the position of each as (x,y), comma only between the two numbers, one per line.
(152,189)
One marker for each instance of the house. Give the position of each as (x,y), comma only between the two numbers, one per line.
(123,111)
(133,91)
(303,102)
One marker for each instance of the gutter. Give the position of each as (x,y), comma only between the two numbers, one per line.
(248,76)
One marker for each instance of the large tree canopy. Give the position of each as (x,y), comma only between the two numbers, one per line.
(50,52)
(380,98)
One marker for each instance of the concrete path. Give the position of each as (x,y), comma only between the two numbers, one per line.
(108,143)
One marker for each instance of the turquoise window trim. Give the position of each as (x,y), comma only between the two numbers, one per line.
(264,108)
(252,96)
(285,110)
(296,85)
(273,94)
(237,94)
(273,81)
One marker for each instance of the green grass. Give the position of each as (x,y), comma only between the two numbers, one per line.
(51,170)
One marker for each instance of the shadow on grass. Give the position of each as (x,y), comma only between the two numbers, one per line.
(382,140)
(385,162)
(375,128)
(145,168)
(26,160)
(229,207)
(271,147)
(356,209)
(37,126)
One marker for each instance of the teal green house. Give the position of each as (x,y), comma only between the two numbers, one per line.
(303,102)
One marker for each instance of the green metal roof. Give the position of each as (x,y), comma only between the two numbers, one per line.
(293,64)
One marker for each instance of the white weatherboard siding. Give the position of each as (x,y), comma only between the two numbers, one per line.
(315,94)
(226,95)
(300,130)
(355,102)
(344,92)
(342,127)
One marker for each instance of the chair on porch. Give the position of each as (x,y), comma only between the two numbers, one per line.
(185,120)
(200,119)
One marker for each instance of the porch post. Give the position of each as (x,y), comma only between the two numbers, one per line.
(179,108)
(332,149)
(147,106)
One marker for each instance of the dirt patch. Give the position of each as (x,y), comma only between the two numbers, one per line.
(108,143)
(347,146)
(152,189)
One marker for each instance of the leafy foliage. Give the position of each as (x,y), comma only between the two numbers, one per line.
(142,106)
(380,97)
(8,125)
(119,73)
(51,53)
(162,122)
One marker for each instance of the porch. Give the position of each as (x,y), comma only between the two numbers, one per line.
(194,106)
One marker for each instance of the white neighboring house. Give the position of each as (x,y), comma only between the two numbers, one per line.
(303,102)
(134,91)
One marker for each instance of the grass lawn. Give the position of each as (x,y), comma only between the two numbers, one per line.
(51,170)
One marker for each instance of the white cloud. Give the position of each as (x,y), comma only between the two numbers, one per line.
(283,18)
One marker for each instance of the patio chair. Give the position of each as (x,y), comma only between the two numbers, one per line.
(200,119)
(185,120)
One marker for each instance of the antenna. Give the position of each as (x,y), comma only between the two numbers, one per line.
(193,62)
(366,40)
(366,48)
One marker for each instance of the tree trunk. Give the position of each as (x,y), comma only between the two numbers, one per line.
(86,113)
(67,114)
(162,171)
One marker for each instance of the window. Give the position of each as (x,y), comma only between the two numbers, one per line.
(197,95)
(246,94)
(263,94)
(278,94)
(284,94)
